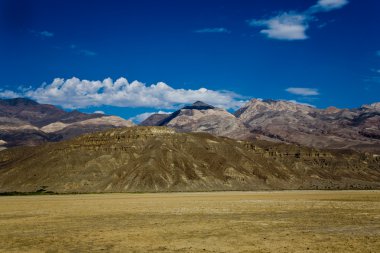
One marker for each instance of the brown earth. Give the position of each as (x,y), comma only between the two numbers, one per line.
(289,221)
(157,159)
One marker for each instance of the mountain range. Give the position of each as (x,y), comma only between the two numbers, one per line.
(159,159)
(26,122)
(264,145)
(282,121)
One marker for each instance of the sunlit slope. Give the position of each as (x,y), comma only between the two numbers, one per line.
(149,159)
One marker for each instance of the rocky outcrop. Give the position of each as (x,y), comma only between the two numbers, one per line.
(150,159)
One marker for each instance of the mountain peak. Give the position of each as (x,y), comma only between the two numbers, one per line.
(199,105)
(259,105)
(373,106)
(18,101)
(331,109)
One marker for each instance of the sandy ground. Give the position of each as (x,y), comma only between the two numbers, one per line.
(290,221)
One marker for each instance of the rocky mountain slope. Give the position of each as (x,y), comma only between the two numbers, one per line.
(26,122)
(201,117)
(283,121)
(141,159)
(329,128)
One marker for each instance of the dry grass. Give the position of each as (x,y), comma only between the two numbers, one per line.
(290,221)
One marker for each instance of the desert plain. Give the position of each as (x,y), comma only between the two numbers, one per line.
(283,221)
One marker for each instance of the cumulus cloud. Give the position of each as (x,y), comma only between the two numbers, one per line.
(286,26)
(9,94)
(293,25)
(99,112)
(303,91)
(213,30)
(74,93)
(143,116)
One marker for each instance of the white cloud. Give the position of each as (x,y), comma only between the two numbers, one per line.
(9,94)
(286,26)
(87,52)
(293,25)
(213,30)
(328,5)
(303,91)
(46,34)
(74,93)
(42,34)
(82,51)
(99,112)
(143,116)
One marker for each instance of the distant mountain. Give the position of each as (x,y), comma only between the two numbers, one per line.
(301,124)
(201,117)
(151,159)
(39,115)
(26,122)
(282,121)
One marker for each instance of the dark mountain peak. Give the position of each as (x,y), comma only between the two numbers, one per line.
(18,102)
(199,105)
(154,119)
(75,113)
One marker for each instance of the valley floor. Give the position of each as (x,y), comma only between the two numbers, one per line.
(288,221)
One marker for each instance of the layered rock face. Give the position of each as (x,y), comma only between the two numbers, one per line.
(150,159)
(24,122)
(331,128)
(201,117)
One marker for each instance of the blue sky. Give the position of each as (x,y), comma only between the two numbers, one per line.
(146,56)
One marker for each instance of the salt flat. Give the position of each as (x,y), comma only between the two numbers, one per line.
(286,221)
